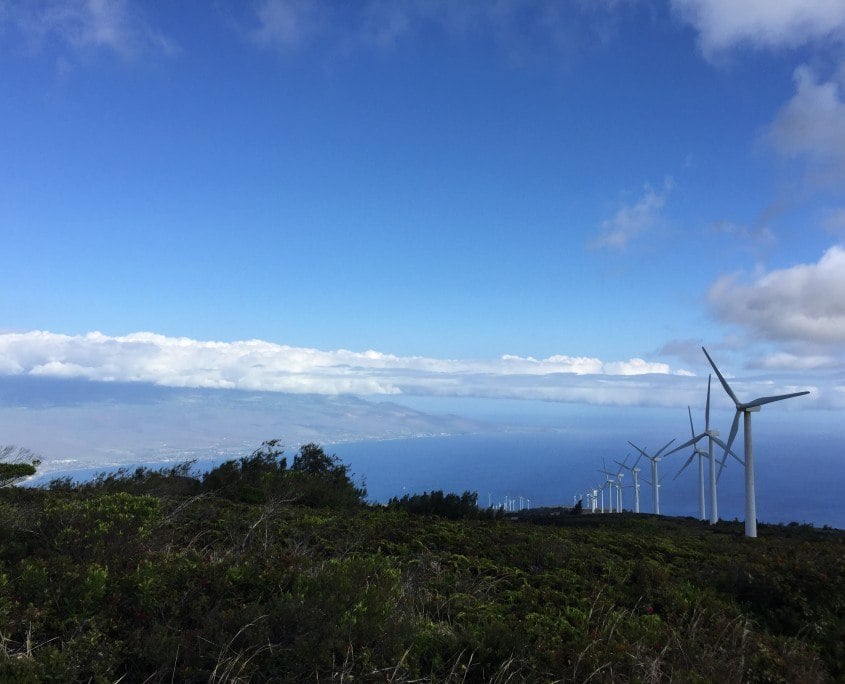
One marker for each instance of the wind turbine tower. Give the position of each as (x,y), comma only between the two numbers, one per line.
(655,484)
(746,409)
(701,456)
(611,482)
(619,476)
(635,472)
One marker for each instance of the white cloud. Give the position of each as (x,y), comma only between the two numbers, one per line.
(811,126)
(802,303)
(264,366)
(725,24)
(114,25)
(633,220)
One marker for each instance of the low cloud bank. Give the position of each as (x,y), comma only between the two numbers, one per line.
(264,366)
(256,365)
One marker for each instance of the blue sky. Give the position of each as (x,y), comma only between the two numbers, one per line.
(554,201)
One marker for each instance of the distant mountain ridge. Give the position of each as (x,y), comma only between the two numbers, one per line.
(76,423)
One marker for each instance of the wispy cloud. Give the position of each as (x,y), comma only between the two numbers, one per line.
(518,27)
(726,24)
(756,237)
(80,25)
(633,220)
(795,362)
(803,303)
(287,23)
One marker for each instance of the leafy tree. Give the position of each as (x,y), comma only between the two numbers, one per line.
(453,506)
(251,478)
(323,480)
(16,463)
(314,479)
(313,460)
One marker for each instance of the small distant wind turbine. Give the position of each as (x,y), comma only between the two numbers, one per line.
(701,455)
(611,483)
(619,476)
(610,495)
(635,474)
(712,436)
(655,485)
(746,409)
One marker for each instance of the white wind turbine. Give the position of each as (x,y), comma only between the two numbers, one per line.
(611,483)
(608,483)
(655,485)
(593,497)
(635,472)
(701,456)
(712,436)
(746,409)
(619,476)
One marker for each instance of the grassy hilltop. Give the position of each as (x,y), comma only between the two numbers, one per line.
(260,571)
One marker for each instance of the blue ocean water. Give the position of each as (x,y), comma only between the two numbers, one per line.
(794,481)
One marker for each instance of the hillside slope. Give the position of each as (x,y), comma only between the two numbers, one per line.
(166,577)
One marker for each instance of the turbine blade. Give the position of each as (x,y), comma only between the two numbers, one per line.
(689,442)
(732,453)
(622,465)
(642,453)
(663,447)
(691,428)
(721,379)
(731,437)
(768,400)
(636,460)
(707,407)
(635,446)
(689,460)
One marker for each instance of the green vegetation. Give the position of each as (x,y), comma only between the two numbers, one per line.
(16,464)
(453,506)
(261,572)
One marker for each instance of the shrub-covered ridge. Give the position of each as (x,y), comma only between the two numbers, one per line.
(263,572)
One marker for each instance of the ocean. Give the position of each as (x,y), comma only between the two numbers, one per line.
(547,469)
